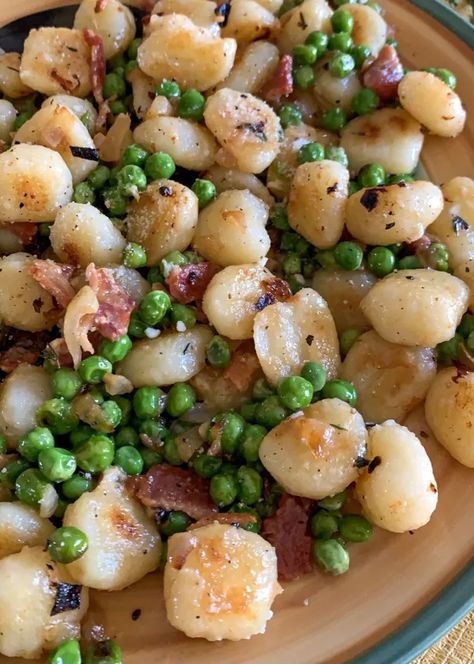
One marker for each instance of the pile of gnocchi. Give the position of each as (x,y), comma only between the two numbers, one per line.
(223,289)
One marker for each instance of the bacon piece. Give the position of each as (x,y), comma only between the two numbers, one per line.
(275,289)
(54,278)
(281,82)
(384,74)
(26,348)
(189,282)
(65,83)
(287,529)
(100,5)
(115,304)
(237,519)
(24,231)
(97,63)
(171,488)
(244,367)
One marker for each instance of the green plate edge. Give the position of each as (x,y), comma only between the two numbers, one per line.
(457,600)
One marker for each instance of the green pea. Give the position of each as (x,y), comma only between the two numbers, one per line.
(134,256)
(125,407)
(270,412)
(301,246)
(114,86)
(310,152)
(448,351)
(115,351)
(296,282)
(181,398)
(132,50)
(218,352)
(168,89)
(337,153)
(117,62)
(324,525)
(279,218)
(466,326)
(290,116)
(3,444)
(354,187)
(78,484)
(396,179)
(67,544)
(136,327)
(135,155)
(117,106)
(365,101)
(207,466)
(160,166)
(248,410)
(223,489)
(95,455)
(150,457)
(191,105)
(470,343)
(249,485)
(261,390)
(331,556)
(371,175)
(288,5)
(30,487)
(445,75)
(315,374)
(205,191)
(104,652)
(348,339)
(409,263)
(181,315)
(44,229)
(98,178)
(319,40)
(305,54)
(229,426)
(326,259)
(342,42)
(21,118)
(348,255)
(437,257)
(381,261)
(253,527)
(295,392)
(175,522)
(304,77)
(131,179)
(67,653)
(112,416)
(10,473)
(148,402)
(292,264)
(58,415)
(34,442)
(155,430)
(154,275)
(129,67)
(126,436)
(333,503)
(355,528)
(57,464)
(83,193)
(340,389)
(288,241)
(115,201)
(93,369)
(342,21)
(66,383)
(334,119)
(129,459)
(171,452)
(154,306)
(250,442)
(341,64)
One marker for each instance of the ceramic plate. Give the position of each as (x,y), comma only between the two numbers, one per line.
(403,591)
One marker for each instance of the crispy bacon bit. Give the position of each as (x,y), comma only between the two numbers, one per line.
(66,84)
(101,122)
(244,367)
(100,5)
(54,278)
(237,519)
(115,304)
(171,488)
(384,74)
(24,347)
(287,530)
(189,282)
(97,63)
(148,5)
(24,231)
(275,290)
(281,82)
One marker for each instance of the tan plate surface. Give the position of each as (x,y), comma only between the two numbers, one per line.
(318,619)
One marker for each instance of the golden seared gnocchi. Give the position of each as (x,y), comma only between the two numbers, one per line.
(143,90)
(390,380)
(8,115)
(256,64)
(189,144)
(83,108)
(31,583)
(124,543)
(234,295)
(397,490)
(231,229)
(56,61)
(416,307)
(35,184)
(343,291)
(21,525)
(449,412)
(288,334)
(393,213)
(389,137)
(317,202)
(313,453)
(297,24)
(180,50)
(229,178)
(113,22)
(58,128)
(11,84)
(172,357)
(248,20)
(229,574)
(24,304)
(163,219)
(21,394)
(444,115)
(369,28)
(81,234)
(246,127)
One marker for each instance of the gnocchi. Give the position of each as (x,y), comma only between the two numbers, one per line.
(228,178)
(7,119)
(201,12)
(298,23)
(21,525)
(11,84)
(256,64)
(369,28)
(331,91)
(248,20)
(83,108)
(114,23)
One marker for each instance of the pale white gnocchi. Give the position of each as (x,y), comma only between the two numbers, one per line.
(8,115)
(369,28)
(256,64)
(229,178)
(331,91)
(11,84)
(297,24)
(83,108)
(21,525)
(114,22)
(248,20)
